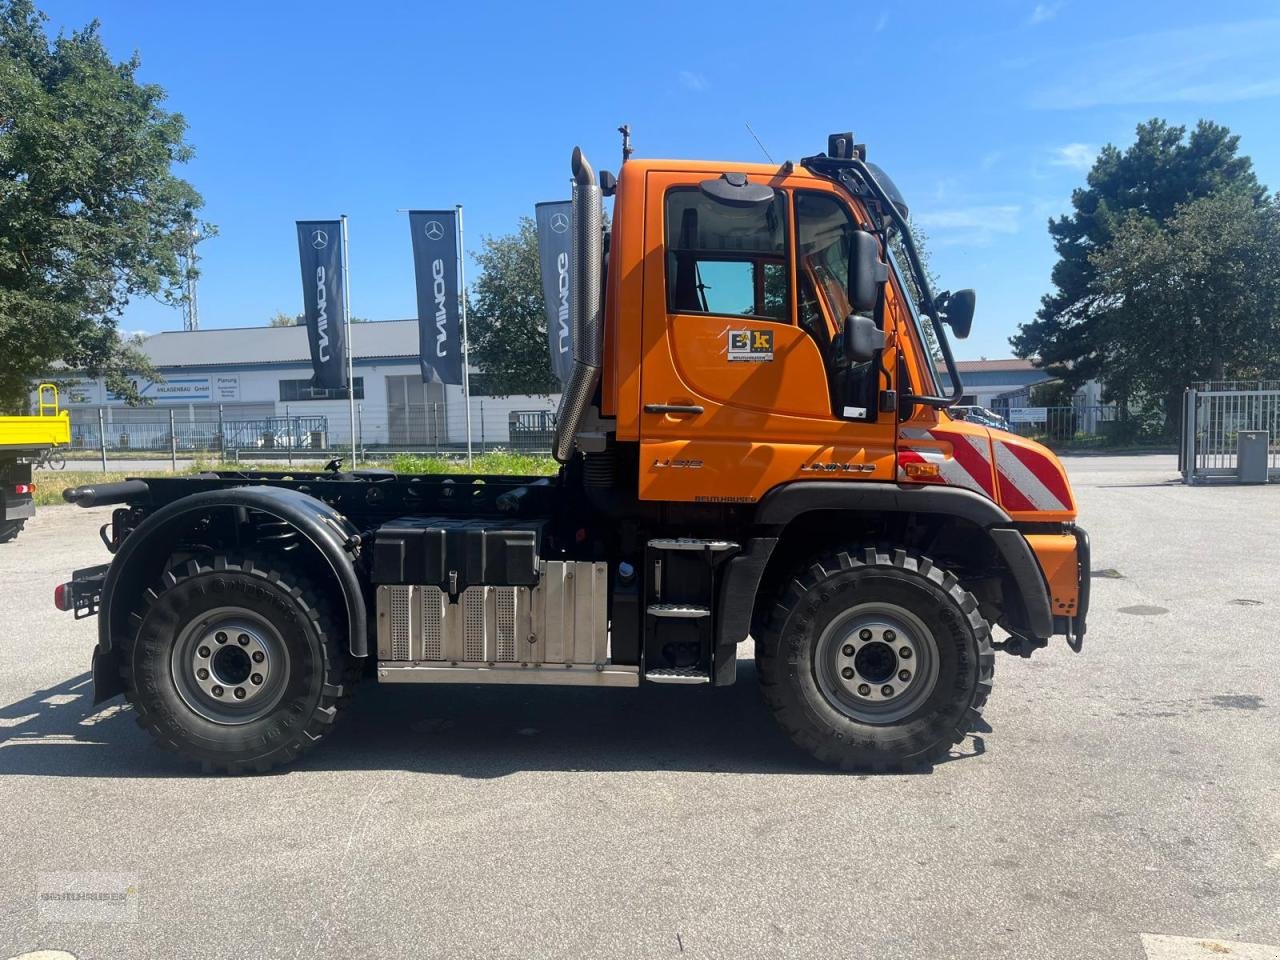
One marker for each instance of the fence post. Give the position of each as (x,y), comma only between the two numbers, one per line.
(173,442)
(288,435)
(102,438)
(222,435)
(482,447)
(1189,437)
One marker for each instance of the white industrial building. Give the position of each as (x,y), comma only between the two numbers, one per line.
(244,374)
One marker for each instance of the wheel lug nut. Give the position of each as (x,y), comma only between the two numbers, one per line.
(239,693)
(203,651)
(864,690)
(220,637)
(256,679)
(258,656)
(847,673)
(243,639)
(864,635)
(890,636)
(218,691)
(847,650)
(904,675)
(202,673)
(905,653)
(887,690)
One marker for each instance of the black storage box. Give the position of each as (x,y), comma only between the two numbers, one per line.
(455,554)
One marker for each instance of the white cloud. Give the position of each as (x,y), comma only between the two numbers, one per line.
(1075,156)
(1044,11)
(974,225)
(882,21)
(1215,63)
(693,81)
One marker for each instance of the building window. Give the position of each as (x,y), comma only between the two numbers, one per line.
(292,391)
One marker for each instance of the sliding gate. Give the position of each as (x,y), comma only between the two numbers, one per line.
(1220,421)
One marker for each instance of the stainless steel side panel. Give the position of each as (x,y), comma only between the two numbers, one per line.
(562,622)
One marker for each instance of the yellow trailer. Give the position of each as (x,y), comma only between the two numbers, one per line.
(21,439)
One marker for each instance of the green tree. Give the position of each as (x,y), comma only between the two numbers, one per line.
(282,319)
(507,318)
(1199,294)
(91,213)
(1083,331)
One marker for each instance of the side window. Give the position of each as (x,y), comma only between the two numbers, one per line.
(824,227)
(724,259)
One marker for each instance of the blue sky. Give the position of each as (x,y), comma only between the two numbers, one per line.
(986,115)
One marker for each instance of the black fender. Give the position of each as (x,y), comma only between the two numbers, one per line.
(328,531)
(783,504)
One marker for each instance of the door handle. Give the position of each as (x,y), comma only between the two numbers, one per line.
(672,408)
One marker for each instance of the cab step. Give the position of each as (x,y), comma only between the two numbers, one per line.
(691,543)
(678,675)
(688,611)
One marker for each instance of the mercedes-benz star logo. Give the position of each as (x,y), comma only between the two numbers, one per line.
(559,222)
(434,230)
(319,239)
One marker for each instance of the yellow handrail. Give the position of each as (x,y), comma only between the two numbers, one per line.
(48,408)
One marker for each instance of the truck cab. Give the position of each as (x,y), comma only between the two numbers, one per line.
(754,445)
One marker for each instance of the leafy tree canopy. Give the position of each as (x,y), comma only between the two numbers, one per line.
(91,213)
(1101,320)
(507,320)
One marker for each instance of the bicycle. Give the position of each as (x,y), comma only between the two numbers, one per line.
(51,459)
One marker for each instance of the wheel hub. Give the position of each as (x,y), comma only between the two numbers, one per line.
(230,665)
(876,663)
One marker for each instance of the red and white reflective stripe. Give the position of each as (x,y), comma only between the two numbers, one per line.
(969,465)
(1029,481)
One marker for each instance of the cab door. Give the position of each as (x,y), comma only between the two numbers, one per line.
(741,386)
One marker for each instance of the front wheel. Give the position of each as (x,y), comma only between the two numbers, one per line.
(875,661)
(55,460)
(236,665)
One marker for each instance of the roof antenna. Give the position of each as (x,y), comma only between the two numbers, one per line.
(757,140)
(627,149)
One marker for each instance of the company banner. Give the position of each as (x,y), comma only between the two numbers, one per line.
(320,253)
(435,264)
(554,242)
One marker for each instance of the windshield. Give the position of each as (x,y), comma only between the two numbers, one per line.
(937,366)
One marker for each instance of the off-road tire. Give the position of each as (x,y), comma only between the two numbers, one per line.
(814,598)
(317,681)
(9,529)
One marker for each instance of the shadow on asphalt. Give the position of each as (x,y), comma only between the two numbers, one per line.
(456,730)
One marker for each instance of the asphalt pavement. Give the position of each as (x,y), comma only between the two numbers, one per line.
(1121,803)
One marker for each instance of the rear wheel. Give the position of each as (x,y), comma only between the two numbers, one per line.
(874,660)
(9,529)
(235,665)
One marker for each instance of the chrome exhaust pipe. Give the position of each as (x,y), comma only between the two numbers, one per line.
(586,265)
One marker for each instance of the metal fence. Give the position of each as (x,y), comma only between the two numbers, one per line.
(1214,418)
(149,436)
(1060,426)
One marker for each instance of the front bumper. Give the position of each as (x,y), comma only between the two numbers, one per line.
(1084,560)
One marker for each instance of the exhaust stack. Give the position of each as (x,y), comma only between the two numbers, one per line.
(586,262)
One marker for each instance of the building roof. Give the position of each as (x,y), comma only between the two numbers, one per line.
(1011,365)
(246,346)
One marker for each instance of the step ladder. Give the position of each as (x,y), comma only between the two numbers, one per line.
(682,575)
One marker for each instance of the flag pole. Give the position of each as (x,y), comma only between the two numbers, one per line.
(346,320)
(466,353)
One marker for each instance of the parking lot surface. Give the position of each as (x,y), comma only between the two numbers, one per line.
(1118,802)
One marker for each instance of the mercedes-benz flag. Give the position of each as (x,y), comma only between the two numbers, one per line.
(435,263)
(554,242)
(320,253)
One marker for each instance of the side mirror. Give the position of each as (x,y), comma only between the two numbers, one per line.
(862,338)
(957,310)
(867,272)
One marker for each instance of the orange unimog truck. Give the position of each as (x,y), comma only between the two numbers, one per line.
(754,445)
